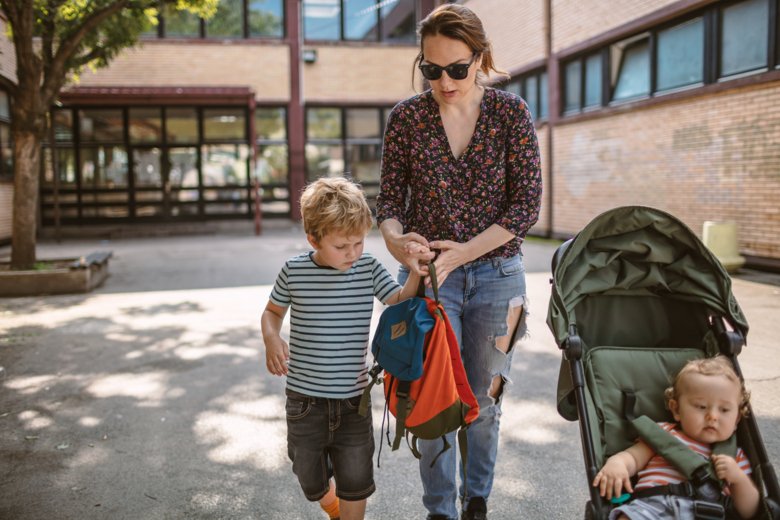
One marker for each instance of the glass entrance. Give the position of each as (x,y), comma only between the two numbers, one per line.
(151,186)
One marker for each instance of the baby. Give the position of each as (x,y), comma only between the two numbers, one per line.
(707,400)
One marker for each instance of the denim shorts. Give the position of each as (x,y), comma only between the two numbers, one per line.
(328,438)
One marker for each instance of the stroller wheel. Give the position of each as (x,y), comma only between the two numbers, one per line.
(592,514)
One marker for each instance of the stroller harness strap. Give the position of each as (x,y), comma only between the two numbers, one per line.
(703,485)
(689,463)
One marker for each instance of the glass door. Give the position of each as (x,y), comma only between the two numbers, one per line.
(152,188)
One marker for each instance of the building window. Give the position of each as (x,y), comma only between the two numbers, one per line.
(573,86)
(272,163)
(233,19)
(180,24)
(744,32)
(716,43)
(681,55)
(631,68)
(148,163)
(101,125)
(228,21)
(224,124)
(266,18)
(6,146)
(360,20)
(583,83)
(532,87)
(593,80)
(181,125)
(144,125)
(345,142)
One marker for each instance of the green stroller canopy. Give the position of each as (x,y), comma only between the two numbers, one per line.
(638,250)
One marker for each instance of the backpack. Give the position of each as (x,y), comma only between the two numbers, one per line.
(425,384)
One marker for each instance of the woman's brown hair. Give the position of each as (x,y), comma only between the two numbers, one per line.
(459,23)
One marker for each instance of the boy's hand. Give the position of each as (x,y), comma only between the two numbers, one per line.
(612,478)
(277,353)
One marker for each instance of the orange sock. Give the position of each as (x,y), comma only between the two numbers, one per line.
(332,508)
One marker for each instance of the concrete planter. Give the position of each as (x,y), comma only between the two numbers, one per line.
(74,275)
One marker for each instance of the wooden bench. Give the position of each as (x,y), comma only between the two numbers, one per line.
(96,258)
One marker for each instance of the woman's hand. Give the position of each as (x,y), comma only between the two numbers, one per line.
(451,256)
(411,249)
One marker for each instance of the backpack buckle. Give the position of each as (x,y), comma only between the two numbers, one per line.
(708,511)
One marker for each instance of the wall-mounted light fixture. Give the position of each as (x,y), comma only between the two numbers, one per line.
(309,55)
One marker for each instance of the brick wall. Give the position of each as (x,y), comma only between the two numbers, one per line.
(515,28)
(542,226)
(263,67)
(6,209)
(714,157)
(7,53)
(360,74)
(578,20)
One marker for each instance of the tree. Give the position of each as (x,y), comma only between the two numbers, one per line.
(54,40)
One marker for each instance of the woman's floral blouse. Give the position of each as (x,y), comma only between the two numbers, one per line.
(496,180)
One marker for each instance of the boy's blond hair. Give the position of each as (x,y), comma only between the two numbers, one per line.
(715,366)
(334,204)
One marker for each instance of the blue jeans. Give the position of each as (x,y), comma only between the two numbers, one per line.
(485,302)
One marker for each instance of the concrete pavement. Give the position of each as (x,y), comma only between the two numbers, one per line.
(148,398)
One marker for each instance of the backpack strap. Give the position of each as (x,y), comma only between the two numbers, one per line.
(402,395)
(698,470)
(374,379)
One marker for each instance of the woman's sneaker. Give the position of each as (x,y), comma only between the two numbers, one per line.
(476,510)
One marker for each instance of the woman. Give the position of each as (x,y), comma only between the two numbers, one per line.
(461,177)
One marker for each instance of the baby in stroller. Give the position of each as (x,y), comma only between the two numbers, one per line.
(707,401)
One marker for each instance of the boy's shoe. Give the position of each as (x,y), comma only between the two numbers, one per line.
(437,517)
(476,510)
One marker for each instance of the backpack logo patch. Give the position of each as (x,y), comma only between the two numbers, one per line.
(397,330)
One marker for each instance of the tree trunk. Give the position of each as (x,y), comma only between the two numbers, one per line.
(27,148)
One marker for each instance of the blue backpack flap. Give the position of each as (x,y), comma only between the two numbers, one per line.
(398,342)
(400,336)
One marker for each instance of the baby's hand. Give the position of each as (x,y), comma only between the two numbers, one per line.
(611,480)
(727,469)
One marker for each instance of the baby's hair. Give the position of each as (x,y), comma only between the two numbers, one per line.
(334,204)
(714,366)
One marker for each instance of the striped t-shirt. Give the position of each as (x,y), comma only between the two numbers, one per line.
(330,320)
(659,472)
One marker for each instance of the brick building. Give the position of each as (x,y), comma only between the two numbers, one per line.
(671,104)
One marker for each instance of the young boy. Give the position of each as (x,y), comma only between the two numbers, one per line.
(707,400)
(330,291)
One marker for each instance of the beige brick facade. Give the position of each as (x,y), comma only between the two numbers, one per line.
(714,157)
(351,74)
(515,29)
(262,67)
(542,226)
(576,20)
(7,53)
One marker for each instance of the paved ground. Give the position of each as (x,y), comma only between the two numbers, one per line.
(148,398)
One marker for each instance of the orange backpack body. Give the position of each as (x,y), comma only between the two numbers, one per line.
(440,400)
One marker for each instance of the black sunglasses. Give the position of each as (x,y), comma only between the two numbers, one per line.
(454,70)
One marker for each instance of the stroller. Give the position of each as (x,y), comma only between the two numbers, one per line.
(635,295)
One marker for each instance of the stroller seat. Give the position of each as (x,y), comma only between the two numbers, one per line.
(628,382)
